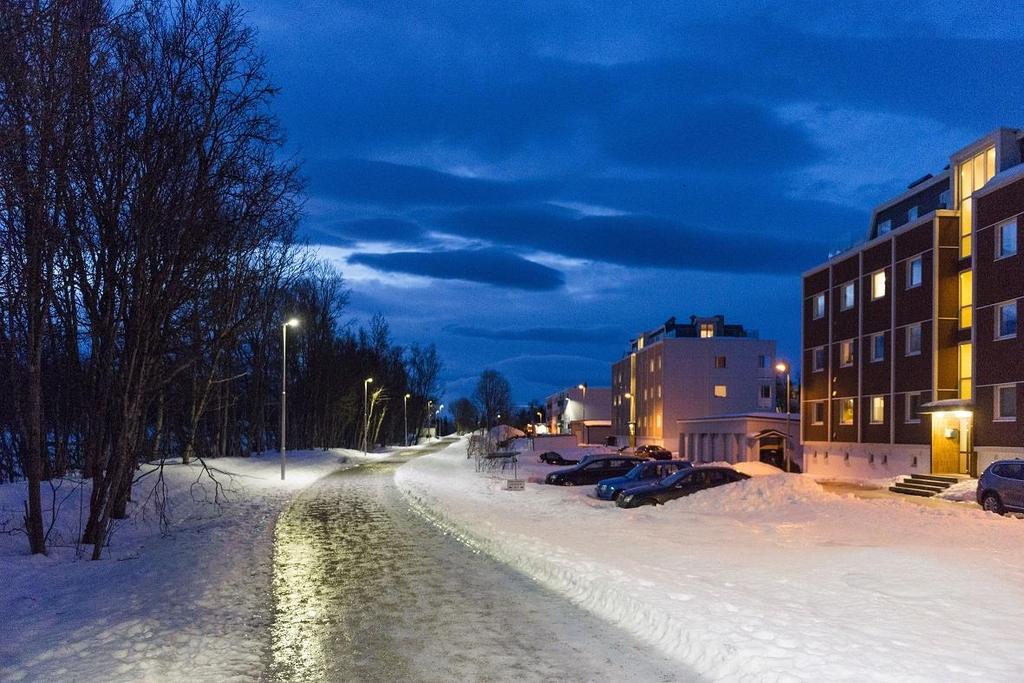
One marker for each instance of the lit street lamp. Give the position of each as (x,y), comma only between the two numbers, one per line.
(584,388)
(782,366)
(293,322)
(629,423)
(406,402)
(366,414)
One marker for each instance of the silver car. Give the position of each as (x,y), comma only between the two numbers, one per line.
(1001,487)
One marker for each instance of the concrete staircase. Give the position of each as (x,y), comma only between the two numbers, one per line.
(925,485)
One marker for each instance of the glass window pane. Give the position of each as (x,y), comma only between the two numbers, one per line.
(979,171)
(990,163)
(966,184)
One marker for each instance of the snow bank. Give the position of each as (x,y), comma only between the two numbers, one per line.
(771,579)
(189,604)
(965,491)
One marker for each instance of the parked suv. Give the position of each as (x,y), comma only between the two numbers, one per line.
(1001,487)
(592,470)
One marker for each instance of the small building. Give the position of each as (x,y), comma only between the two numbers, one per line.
(580,402)
(768,437)
(591,431)
(680,371)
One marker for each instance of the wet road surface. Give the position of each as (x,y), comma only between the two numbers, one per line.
(366,590)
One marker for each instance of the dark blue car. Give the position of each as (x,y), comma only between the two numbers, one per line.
(682,483)
(644,473)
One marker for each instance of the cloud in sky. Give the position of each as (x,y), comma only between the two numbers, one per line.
(487,266)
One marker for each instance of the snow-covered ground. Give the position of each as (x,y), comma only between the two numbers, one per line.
(772,578)
(189,603)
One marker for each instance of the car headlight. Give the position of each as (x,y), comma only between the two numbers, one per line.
(626,499)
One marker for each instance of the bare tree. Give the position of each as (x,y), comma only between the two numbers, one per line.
(493,396)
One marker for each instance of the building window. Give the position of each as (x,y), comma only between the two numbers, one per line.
(721,391)
(913,406)
(707,330)
(818,413)
(1006,403)
(762,361)
(847,296)
(914,272)
(652,365)
(914,339)
(1006,239)
(1006,320)
(971,175)
(878,347)
(818,359)
(877,409)
(846,411)
(659,391)
(766,391)
(966,299)
(719,362)
(912,214)
(965,363)
(878,285)
(818,308)
(884,226)
(846,353)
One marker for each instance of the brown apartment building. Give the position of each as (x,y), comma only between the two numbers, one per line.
(911,358)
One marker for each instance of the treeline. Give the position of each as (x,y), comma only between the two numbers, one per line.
(491,404)
(148,259)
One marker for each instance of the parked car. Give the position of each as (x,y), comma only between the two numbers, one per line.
(553,458)
(653,452)
(1001,487)
(682,483)
(593,469)
(644,473)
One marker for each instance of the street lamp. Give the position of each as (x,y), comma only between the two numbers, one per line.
(584,388)
(437,413)
(366,415)
(292,322)
(782,366)
(405,401)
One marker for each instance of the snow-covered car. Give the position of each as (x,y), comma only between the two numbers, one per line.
(643,473)
(682,483)
(1001,487)
(553,458)
(592,470)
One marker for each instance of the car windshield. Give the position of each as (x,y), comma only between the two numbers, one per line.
(636,473)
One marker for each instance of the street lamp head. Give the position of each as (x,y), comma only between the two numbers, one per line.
(408,396)
(292,322)
(581,386)
(628,395)
(781,367)
(368,380)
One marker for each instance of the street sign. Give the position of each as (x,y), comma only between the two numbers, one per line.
(515,484)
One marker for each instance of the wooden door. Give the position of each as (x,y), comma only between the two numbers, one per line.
(945,449)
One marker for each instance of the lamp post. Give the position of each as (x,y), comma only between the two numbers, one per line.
(430,409)
(405,402)
(629,422)
(782,366)
(366,415)
(437,413)
(293,322)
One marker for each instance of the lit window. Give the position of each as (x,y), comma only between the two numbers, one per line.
(884,227)
(878,285)
(877,409)
(719,362)
(966,298)
(878,347)
(818,359)
(659,391)
(848,297)
(846,411)
(1006,403)
(965,364)
(818,311)
(913,339)
(1006,239)
(707,330)
(913,405)
(652,365)
(721,391)
(972,174)
(1006,320)
(818,413)
(846,353)
(914,272)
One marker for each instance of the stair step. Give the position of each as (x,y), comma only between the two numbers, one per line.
(921,486)
(911,492)
(936,478)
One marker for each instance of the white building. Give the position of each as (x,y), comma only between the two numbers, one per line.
(576,404)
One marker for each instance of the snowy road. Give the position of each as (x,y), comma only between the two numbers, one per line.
(365,589)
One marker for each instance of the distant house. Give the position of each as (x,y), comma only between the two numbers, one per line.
(680,371)
(575,404)
(912,362)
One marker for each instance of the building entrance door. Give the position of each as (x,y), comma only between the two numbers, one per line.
(951,443)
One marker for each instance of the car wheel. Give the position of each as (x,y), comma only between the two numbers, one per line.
(565,483)
(991,503)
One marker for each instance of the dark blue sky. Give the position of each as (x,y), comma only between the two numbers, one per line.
(530,184)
